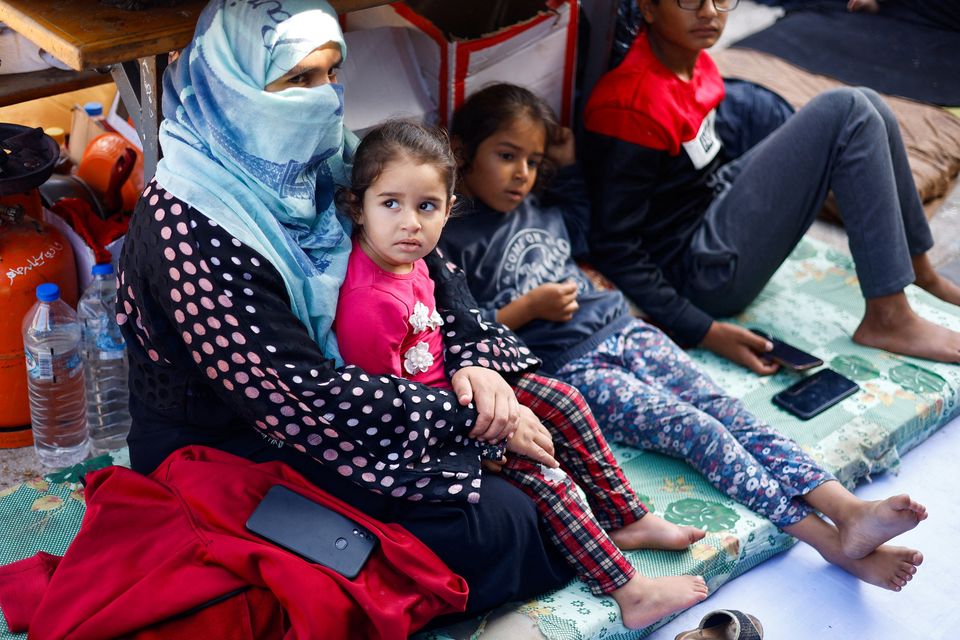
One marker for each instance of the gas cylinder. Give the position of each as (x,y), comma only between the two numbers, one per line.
(31,253)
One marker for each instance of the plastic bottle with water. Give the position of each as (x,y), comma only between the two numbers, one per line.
(105,361)
(51,342)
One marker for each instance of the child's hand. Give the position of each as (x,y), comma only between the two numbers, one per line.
(494,466)
(556,301)
(867,6)
(531,439)
(562,150)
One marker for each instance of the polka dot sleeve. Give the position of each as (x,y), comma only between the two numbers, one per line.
(193,295)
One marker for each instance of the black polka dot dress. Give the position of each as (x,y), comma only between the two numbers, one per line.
(214,348)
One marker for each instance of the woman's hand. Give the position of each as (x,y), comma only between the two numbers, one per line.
(498,410)
(532,439)
(741,346)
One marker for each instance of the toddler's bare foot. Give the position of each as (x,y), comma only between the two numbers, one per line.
(891,324)
(651,532)
(888,567)
(644,600)
(877,522)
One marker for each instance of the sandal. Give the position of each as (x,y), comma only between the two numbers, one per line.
(725,624)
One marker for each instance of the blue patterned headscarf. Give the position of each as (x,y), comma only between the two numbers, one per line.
(264,165)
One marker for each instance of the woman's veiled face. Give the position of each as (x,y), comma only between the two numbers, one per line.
(318,68)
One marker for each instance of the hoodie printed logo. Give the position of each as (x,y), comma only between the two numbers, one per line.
(531,257)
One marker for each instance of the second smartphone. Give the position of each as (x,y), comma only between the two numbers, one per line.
(815,394)
(788,355)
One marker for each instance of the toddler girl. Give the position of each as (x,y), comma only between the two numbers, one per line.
(517,250)
(388,322)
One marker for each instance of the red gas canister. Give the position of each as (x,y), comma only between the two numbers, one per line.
(30,254)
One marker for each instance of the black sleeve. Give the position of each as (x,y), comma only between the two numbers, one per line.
(568,192)
(747,115)
(475,341)
(229,307)
(622,178)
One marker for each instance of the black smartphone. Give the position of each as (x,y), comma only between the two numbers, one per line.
(788,355)
(312,531)
(816,393)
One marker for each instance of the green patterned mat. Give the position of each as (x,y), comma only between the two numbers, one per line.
(813,302)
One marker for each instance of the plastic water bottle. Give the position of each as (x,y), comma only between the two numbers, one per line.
(105,362)
(51,342)
(95,111)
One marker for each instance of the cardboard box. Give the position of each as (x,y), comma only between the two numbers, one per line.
(538,53)
(398,90)
(83,129)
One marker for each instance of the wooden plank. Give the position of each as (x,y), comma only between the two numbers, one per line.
(85,33)
(20,87)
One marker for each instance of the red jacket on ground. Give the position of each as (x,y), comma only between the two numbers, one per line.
(153,548)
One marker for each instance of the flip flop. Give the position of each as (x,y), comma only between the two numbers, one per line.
(725,624)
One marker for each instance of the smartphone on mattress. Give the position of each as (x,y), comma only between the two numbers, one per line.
(787,355)
(815,393)
(312,531)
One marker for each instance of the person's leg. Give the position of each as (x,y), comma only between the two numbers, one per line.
(593,555)
(572,528)
(630,382)
(862,527)
(584,454)
(581,449)
(841,141)
(650,353)
(837,141)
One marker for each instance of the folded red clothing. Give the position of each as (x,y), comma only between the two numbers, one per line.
(95,231)
(169,555)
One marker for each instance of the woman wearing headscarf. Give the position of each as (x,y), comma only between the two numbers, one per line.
(228,286)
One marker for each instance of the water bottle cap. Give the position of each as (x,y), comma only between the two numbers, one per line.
(93,109)
(48,292)
(102,269)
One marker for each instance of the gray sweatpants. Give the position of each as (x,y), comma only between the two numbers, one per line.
(847,141)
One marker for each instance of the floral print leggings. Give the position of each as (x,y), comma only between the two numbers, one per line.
(646,392)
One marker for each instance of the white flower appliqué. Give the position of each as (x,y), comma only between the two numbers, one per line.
(553,476)
(418,358)
(422,318)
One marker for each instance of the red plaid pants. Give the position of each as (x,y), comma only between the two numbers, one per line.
(577,531)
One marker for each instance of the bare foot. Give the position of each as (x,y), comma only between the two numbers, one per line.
(644,600)
(651,532)
(877,522)
(888,567)
(890,323)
